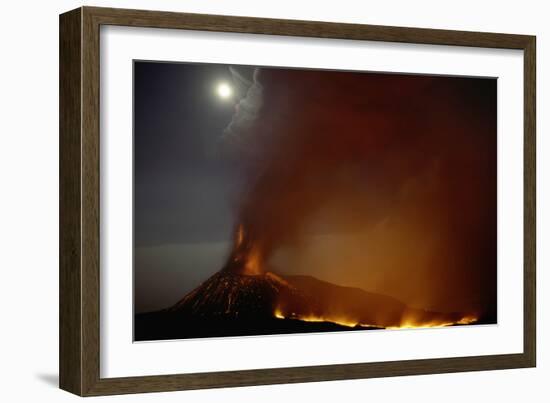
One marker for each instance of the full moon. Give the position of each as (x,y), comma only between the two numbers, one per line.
(224,90)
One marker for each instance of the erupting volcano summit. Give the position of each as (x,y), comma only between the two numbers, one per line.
(275,200)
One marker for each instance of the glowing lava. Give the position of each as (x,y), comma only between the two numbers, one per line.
(405,324)
(412,322)
(247,261)
(316,318)
(247,257)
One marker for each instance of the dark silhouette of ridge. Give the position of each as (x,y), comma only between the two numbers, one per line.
(230,303)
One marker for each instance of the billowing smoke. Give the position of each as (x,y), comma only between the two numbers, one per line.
(237,135)
(386,182)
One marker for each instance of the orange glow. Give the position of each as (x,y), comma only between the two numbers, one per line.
(417,324)
(412,322)
(240,236)
(252,265)
(467,320)
(316,318)
(246,254)
(412,325)
(405,324)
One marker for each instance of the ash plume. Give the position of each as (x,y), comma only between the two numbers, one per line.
(235,138)
(402,166)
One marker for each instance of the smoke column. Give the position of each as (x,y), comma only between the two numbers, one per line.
(383,181)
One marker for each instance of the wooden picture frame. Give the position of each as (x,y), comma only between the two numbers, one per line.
(79,201)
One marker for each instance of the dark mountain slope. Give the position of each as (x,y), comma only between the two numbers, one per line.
(231,303)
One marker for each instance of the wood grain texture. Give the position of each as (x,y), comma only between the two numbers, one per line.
(317,29)
(70,314)
(79,200)
(530,200)
(90,202)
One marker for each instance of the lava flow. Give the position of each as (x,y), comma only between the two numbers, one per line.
(412,324)
(314,318)
(246,257)
(407,322)
(244,288)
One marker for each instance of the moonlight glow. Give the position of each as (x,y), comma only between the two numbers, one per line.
(224,90)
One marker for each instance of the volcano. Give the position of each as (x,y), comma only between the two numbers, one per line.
(233,295)
(230,303)
(244,298)
(233,303)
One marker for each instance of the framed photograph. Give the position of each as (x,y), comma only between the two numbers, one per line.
(249,201)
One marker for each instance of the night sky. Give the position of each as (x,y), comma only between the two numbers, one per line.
(380,181)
